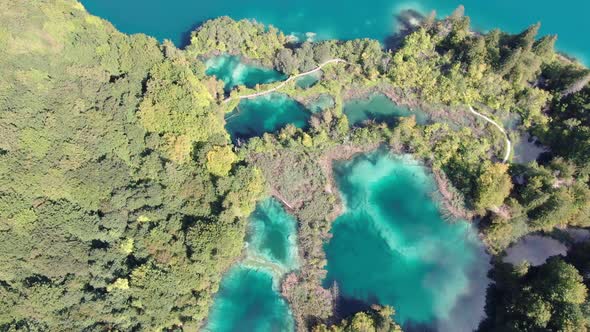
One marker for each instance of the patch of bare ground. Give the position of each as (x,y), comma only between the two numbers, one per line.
(502,211)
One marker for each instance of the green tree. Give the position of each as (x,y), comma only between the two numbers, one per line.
(178,103)
(560,282)
(493,186)
(220,160)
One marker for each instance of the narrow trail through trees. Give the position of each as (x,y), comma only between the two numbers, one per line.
(262,93)
(508,143)
(337,60)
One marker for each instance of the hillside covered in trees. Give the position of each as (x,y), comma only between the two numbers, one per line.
(120,204)
(123,198)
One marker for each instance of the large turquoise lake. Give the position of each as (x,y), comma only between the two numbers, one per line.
(174,19)
(392,246)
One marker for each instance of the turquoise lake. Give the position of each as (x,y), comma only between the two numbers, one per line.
(248,301)
(248,297)
(174,19)
(308,80)
(379,108)
(233,72)
(321,103)
(392,246)
(265,114)
(272,234)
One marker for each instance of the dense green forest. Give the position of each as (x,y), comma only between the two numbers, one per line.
(123,200)
(120,201)
(550,297)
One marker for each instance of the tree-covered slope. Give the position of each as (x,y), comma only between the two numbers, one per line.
(122,200)
(110,216)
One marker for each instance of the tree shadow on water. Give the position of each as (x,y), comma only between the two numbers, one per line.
(185,37)
(346,307)
(407,21)
(411,326)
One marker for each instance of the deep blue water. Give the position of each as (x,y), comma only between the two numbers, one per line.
(174,19)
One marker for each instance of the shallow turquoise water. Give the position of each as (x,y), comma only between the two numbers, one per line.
(321,103)
(273,234)
(233,72)
(266,114)
(379,108)
(248,298)
(308,80)
(392,246)
(174,19)
(247,301)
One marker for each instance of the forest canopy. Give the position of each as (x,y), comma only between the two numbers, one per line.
(120,205)
(123,199)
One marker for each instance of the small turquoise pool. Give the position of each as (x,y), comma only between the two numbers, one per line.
(233,72)
(265,114)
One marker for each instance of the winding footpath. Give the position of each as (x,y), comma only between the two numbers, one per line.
(262,93)
(508,143)
(319,67)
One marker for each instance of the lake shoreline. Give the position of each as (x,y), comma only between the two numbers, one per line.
(445,193)
(394,242)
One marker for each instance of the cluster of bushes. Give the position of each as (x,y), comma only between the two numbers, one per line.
(550,297)
(377,319)
(246,38)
